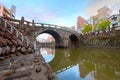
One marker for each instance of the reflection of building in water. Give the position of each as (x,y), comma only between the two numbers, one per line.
(50,51)
(98,71)
(86,70)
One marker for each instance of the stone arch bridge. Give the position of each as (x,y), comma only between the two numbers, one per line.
(64,37)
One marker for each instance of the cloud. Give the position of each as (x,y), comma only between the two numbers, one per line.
(97,4)
(48,16)
(45,15)
(36,13)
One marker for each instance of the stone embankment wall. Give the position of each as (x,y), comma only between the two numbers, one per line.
(10,44)
(102,38)
(17,62)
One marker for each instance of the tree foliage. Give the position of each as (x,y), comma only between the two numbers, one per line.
(119,20)
(100,25)
(95,27)
(104,24)
(87,28)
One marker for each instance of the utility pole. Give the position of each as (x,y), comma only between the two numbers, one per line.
(119,12)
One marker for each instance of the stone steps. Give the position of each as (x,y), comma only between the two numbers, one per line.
(10,44)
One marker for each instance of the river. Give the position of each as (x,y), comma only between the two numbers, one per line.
(83,63)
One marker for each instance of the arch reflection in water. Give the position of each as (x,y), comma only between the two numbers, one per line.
(47,53)
(64,59)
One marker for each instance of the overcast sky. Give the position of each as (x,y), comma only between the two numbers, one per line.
(60,12)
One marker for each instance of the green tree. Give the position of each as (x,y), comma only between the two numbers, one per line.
(119,20)
(104,24)
(95,27)
(87,28)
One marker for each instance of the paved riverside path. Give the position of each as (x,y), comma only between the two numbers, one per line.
(26,67)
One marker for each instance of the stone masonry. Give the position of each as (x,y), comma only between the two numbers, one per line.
(21,62)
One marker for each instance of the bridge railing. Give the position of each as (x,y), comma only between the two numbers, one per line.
(64,69)
(56,26)
(23,22)
(13,30)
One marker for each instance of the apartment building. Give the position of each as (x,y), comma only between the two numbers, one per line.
(5,12)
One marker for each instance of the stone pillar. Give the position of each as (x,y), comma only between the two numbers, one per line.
(22,22)
(28,24)
(33,23)
(66,43)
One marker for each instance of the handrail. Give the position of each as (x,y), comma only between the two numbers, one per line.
(18,34)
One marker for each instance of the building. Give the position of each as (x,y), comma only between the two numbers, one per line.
(13,9)
(49,39)
(115,9)
(5,12)
(80,23)
(103,13)
(115,18)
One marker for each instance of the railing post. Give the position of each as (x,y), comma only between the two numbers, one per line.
(49,25)
(16,33)
(55,26)
(33,23)
(42,25)
(5,24)
(11,30)
(28,24)
(22,21)
(27,42)
(22,38)
(34,44)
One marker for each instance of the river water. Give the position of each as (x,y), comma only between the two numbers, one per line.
(84,63)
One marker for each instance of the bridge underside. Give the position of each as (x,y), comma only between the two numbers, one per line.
(66,40)
(57,37)
(74,41)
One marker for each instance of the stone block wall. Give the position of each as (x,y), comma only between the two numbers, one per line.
(10,44)
(102,39)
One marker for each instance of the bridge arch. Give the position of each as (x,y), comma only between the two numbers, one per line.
(74,40)
(57,37)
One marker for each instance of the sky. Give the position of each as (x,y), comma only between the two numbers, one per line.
(76,74)
(59,12)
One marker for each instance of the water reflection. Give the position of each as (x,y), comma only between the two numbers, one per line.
(74,74)
(86,64)
(47,53)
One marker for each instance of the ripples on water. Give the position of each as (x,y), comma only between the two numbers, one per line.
(84,63)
